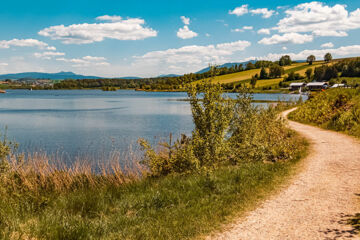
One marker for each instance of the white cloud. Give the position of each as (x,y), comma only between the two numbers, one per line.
(207,35)
(186,33)
(25,43)
(87,61)
(185,20)
(327,45)
(345,51)
(319,19)
(248,27)
(284,48)
(294,38)
(266,13)
(129,29)
(242,29)
(237,30)
(48,55)
(265,31)
(90,58)
(189,58)
(3,64)
(109,18)
(239,11)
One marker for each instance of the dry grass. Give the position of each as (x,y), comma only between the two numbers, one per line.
(42,173)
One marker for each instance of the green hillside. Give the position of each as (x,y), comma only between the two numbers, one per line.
(245,76)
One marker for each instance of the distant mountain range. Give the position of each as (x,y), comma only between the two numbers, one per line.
(71,75)
(52,76)
(228,65)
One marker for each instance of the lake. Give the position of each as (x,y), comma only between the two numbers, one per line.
(78,123)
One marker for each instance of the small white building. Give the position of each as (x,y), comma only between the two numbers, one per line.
(338,85)
(296,86)
(317,86)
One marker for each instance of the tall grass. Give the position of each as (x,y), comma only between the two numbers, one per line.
(76,204)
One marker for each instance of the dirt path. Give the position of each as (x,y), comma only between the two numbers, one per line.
(317,204)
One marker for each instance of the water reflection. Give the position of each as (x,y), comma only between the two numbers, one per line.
(89,122)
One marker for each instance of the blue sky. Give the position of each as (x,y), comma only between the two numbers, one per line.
(148,38)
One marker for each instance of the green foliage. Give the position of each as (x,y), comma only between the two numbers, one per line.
(325,73)
(257,134)
(263,64)
(227,131)
(253,81)
(263,73)
(308,73)
(250,66)
(336,109)
(275,71)
(212,115)
(285,61)
(310,59)
(292,76)
(349,67)
(171,158)
(328,57)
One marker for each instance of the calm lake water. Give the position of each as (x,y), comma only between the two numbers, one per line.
(94,123)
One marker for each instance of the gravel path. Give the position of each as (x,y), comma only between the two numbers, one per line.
(317,204)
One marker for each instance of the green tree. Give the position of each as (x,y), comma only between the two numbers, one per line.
(275,71)
(250,66)
(308,73)
(328,57)
(285,60)
(212,115)
(263,73)
(310,59)
(253,81)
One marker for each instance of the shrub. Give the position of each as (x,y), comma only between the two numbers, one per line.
(227,131)
(337,109)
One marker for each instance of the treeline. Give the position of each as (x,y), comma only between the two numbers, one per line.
(343,68)
(160,83)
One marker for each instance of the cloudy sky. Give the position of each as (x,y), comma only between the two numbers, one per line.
(148,38)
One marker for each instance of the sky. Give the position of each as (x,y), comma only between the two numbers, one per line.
(117,38)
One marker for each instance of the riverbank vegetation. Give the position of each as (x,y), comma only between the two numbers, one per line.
(236,155)
(335,109)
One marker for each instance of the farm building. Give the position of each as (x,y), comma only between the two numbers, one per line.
(338,85)
(317,86)
(297,86)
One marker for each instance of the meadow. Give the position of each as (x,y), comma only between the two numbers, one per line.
(244,77)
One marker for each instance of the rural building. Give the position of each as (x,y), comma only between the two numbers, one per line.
(338,85)
(297,86)
(317,86)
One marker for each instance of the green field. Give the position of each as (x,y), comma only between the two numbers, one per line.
(245,76)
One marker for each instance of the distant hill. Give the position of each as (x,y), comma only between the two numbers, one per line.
(129,77)
(228,65)
(52,76)
(169,75)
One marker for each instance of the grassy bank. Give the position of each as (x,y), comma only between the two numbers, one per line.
(335,109)
(171,207)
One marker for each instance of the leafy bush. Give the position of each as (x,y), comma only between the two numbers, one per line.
(336,109)
(227,131)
